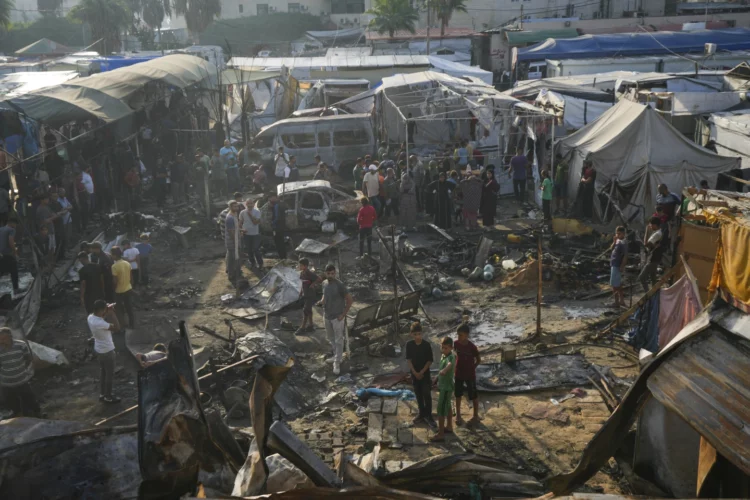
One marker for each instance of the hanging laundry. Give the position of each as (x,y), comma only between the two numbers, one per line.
(678,306)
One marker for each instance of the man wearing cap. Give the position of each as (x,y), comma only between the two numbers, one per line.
(371,186)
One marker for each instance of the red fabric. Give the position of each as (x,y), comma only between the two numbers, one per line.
(678,306)
(465,355)
(366,217)
(382,185)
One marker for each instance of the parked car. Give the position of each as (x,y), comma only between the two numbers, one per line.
(311,203)
(339,140)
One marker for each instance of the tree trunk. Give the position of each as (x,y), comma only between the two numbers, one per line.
(390,33)
(443,23)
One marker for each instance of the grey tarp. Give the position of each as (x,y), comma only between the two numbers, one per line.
(105,95)
(635,150)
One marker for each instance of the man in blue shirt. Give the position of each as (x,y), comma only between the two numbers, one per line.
(518,167)
(668,201)
(229,155)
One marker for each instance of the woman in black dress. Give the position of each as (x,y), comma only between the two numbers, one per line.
(441,199)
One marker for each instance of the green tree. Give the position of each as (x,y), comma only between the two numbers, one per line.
(198,14)
(392,16)
(49,8)
(445,10)
(5,8)
(153,13)
(106,19)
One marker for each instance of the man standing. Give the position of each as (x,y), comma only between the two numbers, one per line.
(16,370)
(668,201)
(202,169)
(358,173)
(54,204)
(8,252)
(123,288)
(177,179)
(336,303)
(66,218)
(105,262)
(88,183)
(218,174)
(293,170)
(232,242)
(518,166)
(655,248)
(617,262)
(322,174)
(92,282)
(250,219)
(46,216)
(278,224)
(281,160)
(371,187)
(231,165)
(104,347)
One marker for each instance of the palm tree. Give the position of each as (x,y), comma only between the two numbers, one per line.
(392,16)
(106,20)
(198,14)
(153,13)
(5,8)
(445,10)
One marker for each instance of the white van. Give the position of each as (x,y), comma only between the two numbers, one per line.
(339,140)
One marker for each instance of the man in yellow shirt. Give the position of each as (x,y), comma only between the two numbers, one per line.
(123,288)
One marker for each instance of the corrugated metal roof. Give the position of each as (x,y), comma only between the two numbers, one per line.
(524,37)
(707,382)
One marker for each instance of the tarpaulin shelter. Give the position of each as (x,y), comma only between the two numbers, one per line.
(114,95)
(730,133)
(633,151)
(632,44)
(44,47)
(16,84)
(576,113)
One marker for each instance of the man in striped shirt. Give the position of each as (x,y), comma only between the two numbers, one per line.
(15,373)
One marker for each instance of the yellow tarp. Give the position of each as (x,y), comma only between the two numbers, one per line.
(731,270)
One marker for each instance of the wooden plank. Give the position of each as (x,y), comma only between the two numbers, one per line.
(375,428)
(390,406)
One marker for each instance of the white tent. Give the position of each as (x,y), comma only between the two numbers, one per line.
(576,113)
(730,133)
(634,150)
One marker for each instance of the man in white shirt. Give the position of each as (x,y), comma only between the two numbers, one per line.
(282,166)
(371,187)
(250,226)
(88,183)
(132,255)
(104,347)
(229,155)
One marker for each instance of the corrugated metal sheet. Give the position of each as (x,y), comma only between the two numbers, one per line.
(707,382)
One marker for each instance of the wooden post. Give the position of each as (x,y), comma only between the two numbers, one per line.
(207,194)
(394,270)
(539,288)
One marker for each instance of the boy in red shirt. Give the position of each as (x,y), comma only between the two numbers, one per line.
(467,359)
(366,218)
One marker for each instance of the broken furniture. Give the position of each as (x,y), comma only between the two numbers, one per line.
(316,251)
(381,313)
(279,288)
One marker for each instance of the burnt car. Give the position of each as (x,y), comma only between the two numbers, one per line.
(311,203)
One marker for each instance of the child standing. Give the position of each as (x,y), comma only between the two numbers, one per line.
(309,281)
(467,359)
(366,218)
(144,251)
(132,256)
(445,385)
(546,188)
(419,359)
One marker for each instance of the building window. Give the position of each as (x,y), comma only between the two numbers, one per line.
(293,7)
(347,6)
(262,9)
(242,8)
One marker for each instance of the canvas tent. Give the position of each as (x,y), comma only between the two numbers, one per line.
(576,113)
(634,150)
(44,47)
(730,133)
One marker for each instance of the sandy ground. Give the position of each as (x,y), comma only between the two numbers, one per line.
(188,285)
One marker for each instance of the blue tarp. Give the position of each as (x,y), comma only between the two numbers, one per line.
(636,44)
(114,62)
